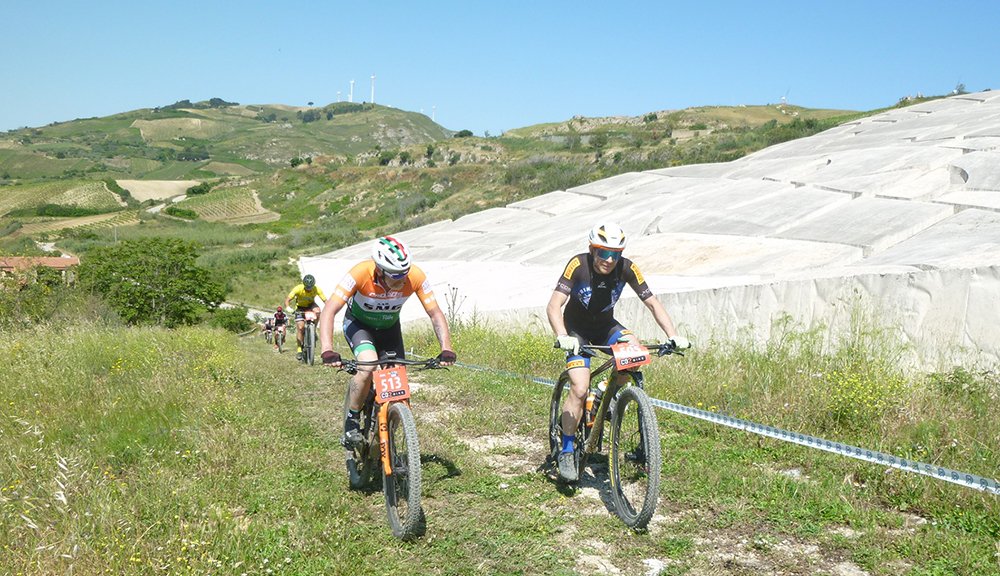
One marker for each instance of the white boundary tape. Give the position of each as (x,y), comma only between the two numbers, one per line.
(988,485)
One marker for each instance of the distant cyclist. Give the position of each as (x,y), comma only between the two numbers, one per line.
(280,323)
(592,283)
(304,295)
(374,292)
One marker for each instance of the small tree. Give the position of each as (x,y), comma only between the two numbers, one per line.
(152,281)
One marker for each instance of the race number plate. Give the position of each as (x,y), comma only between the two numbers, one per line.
(629,355)
(391,384)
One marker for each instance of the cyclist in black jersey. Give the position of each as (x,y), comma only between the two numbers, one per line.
(589,288)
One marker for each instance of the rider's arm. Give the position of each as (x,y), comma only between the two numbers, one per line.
(661,316)
(326,323)
(440,324)
(554,312)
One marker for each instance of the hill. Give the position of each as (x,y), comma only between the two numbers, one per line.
(205,140)
(287,181)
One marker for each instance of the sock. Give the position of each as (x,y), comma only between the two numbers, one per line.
(568,442)
(353,421)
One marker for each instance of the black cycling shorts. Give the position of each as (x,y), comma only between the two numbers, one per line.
(361,337)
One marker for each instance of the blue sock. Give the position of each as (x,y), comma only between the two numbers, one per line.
(568,442)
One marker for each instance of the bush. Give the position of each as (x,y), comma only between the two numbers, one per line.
(202,188)
(233,319)
(152,281)
(179,212)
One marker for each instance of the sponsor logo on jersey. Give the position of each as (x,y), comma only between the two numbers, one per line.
(638,275)
(573,265)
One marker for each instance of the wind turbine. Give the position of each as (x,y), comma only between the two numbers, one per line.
(373,88)
(350,95)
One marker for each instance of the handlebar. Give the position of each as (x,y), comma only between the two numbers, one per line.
(351,366)
(661,348)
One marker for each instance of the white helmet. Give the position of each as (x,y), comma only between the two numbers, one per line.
(391,255)
(607,235)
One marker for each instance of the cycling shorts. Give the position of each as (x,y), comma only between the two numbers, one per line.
(604,334)
(361,337)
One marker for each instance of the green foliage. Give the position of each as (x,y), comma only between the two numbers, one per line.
(859,399)
(152,281)
(198,189)
(233,319)
(463,134)
(55,211)
(174,210)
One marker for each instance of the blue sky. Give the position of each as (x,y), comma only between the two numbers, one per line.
(488,66)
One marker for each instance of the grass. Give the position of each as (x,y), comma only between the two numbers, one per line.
(193,452)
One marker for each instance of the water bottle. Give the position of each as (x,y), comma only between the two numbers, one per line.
(588,416)
(594,400)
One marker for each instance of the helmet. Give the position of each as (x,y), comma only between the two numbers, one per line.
(391,255)
(607,235)
(308,281)
(279,308)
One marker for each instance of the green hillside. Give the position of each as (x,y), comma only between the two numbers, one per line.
(192,140)
(286,181)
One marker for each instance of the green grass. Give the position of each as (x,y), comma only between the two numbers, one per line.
(194,452)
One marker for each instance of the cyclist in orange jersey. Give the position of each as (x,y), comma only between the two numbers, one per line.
(374,292)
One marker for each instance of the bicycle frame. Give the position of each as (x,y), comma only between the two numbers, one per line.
(390,384)
(611,366)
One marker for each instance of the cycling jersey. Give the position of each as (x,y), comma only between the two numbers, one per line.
(280,319)
(305,298)
(375,305)
(592,296)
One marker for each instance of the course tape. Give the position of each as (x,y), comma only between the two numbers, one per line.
(988,485)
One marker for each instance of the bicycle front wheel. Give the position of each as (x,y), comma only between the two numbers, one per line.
(634,458)
(307,344)
(402,487)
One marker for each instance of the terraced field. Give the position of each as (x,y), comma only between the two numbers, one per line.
(230,206)
(86,194)
(124,218)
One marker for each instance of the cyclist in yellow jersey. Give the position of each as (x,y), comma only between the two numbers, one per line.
(304,295)
(374,292)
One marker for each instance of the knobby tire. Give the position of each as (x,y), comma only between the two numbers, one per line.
(634,458)
(402,487)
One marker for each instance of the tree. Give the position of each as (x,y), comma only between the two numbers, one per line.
(152,281)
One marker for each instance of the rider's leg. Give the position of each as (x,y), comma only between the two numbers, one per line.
(300,326)
(573,405)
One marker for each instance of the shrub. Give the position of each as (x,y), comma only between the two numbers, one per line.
(233,319)
(152,281)
(179,212)
(202,188)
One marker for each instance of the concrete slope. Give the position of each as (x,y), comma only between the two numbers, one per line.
(895,215)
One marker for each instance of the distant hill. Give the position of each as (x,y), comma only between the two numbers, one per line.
(207,139)
(259,185)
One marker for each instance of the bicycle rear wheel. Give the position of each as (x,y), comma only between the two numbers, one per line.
(308,339)
(402,487)
(634,458)
(555,426)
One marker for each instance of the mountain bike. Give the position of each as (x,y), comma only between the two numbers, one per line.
(390,444)
(268,334)
(279,337)
(308,335)
(634,437)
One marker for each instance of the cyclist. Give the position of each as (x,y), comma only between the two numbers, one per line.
(591,283)
(280,322)
(267,328)
(374,292)
(304,295)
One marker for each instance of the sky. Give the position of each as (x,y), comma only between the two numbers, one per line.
(488,66)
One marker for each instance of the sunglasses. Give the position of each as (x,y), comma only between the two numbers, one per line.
(605,254)
(399,276)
